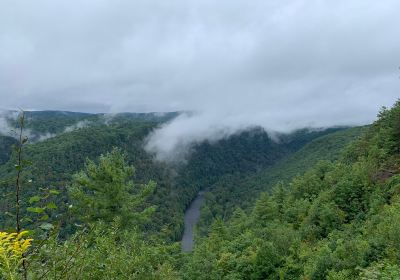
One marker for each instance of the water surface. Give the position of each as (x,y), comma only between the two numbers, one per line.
(192,215)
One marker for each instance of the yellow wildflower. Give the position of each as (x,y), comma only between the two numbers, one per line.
(12,249)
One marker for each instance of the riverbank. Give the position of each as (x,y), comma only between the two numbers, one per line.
(192,216)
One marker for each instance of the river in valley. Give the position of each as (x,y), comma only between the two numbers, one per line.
(192,215)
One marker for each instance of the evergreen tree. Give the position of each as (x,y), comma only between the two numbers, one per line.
(105,191)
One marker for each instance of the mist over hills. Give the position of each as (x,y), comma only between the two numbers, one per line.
(41,125)
(199,140)
(265,186)
(77,136)
(166,145)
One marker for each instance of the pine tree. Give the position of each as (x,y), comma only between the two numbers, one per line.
(105,192)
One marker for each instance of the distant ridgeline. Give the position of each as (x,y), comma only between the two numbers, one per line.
(338,220)
(41,125)
(313,205)
(235,169)
(304,150)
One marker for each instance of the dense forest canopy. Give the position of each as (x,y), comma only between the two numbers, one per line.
(338,220)
(199,140)
(317,204)
(57,158)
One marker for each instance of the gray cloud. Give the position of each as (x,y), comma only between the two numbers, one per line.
(48,135)
(7,129)
(5,119)
(280,64)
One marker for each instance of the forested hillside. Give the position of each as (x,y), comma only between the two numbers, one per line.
(56,159)
(199,140)
(337,221)
(95,193)
(6,143)
(238,190)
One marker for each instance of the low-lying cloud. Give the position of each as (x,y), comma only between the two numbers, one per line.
(6,117)
(280,64)
(7,129)
(173,140)
(38,137)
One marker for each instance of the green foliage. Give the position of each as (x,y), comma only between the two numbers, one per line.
(336,221)
(6,144)
(56,160)
(105,191)
(112,247)
(383,270)
(104,252)
(241,189)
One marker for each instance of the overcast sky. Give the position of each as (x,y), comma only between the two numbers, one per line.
(276,63)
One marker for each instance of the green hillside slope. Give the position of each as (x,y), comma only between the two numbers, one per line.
(6,143)
(238,190)
(337,221)
(56,159)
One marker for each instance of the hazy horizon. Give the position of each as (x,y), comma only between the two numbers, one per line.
(277,64)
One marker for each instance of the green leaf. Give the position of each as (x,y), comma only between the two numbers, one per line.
(44,218)
(26,162)
(35,209)
(46,226)
(9,214)
(26,219)
(29,232)
(51,205)
(55,192)
(34,199)
(18,167)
